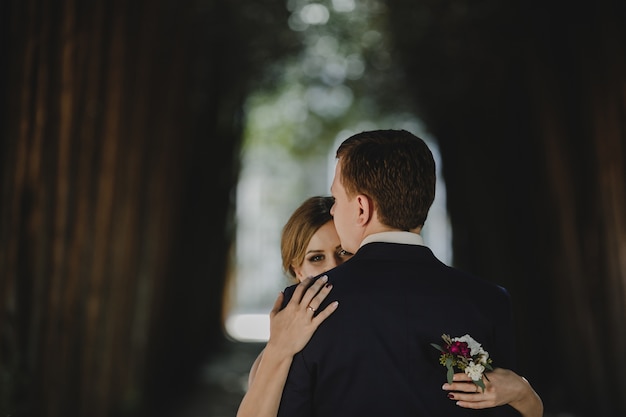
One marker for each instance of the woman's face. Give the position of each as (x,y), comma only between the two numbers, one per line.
(322,253)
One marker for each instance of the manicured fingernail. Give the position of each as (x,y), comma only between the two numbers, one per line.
(324,278)
(329,285)
(451,396)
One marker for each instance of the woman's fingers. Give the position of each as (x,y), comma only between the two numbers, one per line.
(469,386)
(461,377)
(300,289)
(319,291)
(470,395)
(463,383)
(503,386)
(306,290)
(307,297)
(476,400)
(310,296)
(292,327)
(324,313)
(315,294)
(476,405)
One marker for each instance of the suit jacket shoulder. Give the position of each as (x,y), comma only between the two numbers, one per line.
(373,356)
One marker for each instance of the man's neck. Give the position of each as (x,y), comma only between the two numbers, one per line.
(394,236)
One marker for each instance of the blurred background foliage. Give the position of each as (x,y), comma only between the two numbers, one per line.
(344,75)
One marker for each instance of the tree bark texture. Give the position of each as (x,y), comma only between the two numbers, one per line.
(528,102)
(119,160)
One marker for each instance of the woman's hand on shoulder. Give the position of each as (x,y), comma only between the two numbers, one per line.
(292,327)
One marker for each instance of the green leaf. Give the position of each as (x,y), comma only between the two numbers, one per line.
(436,346)
(481,384)
(450,373)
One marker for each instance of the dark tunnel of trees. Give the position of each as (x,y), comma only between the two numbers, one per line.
(119,156)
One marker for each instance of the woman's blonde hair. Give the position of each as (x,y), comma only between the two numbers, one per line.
(312,214)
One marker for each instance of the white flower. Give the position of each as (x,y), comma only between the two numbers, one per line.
(475,371)
(475,347)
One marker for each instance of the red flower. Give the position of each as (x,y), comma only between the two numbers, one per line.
(457,354)
(459,349)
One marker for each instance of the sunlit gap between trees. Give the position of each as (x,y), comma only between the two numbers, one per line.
(342,80)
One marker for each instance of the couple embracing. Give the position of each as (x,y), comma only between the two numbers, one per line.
(372,354)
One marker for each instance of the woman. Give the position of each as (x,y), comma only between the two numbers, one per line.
(309,247)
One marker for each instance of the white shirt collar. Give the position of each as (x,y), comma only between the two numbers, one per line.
(407,238)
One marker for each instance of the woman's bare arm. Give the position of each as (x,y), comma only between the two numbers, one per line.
(290,330)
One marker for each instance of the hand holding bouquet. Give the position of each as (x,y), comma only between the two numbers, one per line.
(467,355)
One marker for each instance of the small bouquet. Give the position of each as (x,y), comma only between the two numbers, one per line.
(467,355)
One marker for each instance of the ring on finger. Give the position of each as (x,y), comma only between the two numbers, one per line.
(313,309)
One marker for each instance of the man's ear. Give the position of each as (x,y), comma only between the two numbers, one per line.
(366,208)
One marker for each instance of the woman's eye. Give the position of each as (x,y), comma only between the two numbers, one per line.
(316,258)
(344,253)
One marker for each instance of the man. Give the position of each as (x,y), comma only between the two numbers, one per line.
(374,356)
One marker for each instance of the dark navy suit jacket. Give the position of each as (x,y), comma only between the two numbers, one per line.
(373,356)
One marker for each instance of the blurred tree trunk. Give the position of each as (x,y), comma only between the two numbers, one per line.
(119,159)
(528,102)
